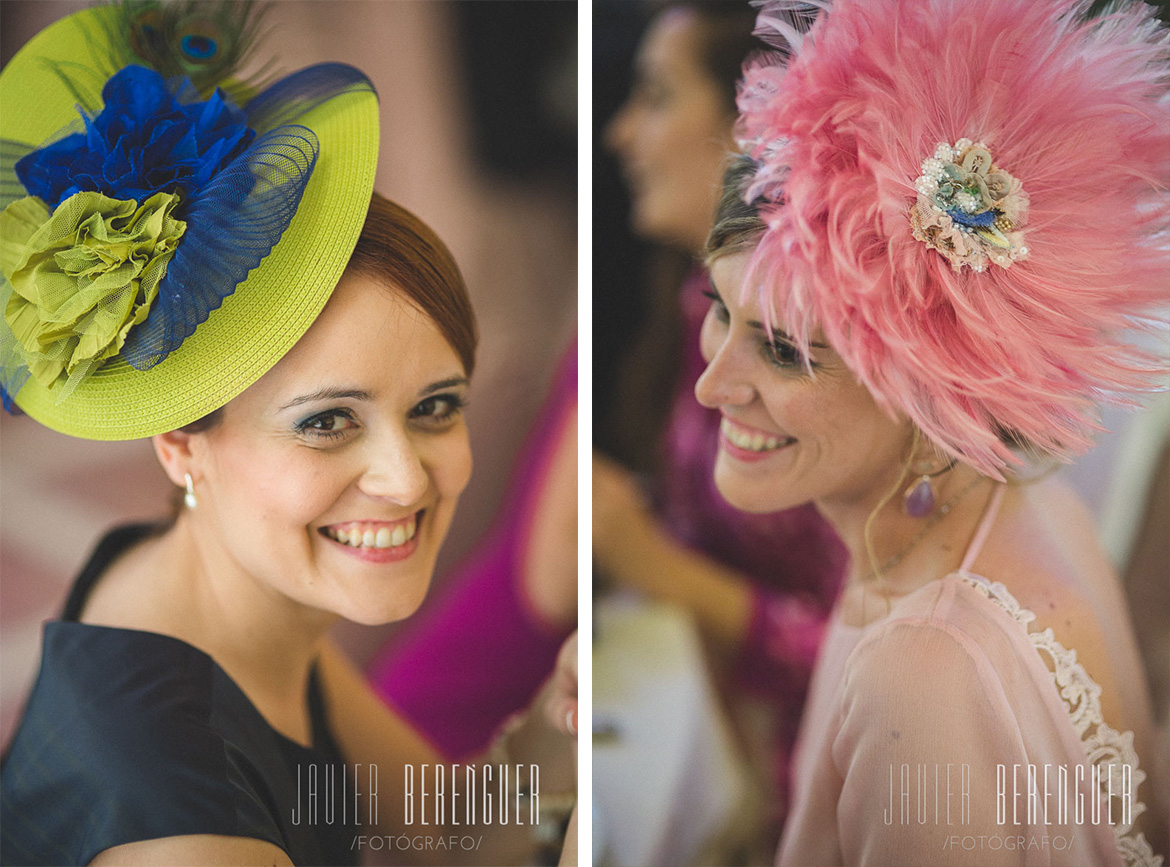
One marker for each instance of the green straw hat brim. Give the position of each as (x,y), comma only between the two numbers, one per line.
(268,312)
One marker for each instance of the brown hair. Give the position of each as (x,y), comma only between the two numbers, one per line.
(737,225)
(401,251)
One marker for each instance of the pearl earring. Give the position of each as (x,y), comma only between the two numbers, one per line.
(189,498)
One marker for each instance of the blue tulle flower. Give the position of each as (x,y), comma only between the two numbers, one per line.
(242,174)
(142,142)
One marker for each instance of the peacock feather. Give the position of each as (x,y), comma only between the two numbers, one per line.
(206,40)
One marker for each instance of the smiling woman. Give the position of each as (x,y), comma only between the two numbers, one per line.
(325,445)
(326,420)
(919,299)
(307,396)
(795,428)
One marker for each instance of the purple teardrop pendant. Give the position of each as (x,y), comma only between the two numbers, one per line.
(919,498)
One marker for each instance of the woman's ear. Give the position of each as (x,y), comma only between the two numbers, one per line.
(174,454)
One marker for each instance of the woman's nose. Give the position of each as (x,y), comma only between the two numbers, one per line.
(395,471)
(725,382)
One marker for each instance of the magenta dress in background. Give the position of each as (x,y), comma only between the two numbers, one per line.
(795,560)
(480,655)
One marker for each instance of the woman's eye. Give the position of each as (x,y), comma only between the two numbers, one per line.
(783,354)
(719,307)
(438,409)
(330,424)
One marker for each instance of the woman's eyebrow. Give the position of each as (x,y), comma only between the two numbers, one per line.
(452,382)
(755,323)
(784,336)
(329,394)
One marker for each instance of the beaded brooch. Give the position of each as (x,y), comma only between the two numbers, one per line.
(968,208)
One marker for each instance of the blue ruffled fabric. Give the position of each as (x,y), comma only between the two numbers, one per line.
(143,141)
(243,173)
(231,226)
(8,403)
(295,95)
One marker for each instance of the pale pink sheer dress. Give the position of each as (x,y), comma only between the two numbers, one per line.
(952,676)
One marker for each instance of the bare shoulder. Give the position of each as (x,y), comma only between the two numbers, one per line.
(1044,549)
(209,849)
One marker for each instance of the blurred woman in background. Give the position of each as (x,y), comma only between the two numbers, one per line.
(759,587)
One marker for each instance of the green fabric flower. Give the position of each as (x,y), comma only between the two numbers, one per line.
(82,277)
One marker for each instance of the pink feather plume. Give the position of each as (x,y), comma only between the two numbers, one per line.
(1077,111)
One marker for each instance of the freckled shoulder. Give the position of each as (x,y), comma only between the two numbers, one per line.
(1044,550)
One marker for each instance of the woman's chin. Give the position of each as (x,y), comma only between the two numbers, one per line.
(755,495)
(379,615)
(379,606)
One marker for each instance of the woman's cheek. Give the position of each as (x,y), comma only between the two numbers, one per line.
(453,462)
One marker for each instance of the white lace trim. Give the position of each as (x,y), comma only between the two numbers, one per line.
(1082,696)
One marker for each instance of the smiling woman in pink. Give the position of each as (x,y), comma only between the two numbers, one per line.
(924,276)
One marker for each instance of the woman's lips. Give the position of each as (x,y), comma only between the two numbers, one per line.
(749,444)
(376,541)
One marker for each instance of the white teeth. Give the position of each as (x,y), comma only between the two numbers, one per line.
(751,442)
(379,537)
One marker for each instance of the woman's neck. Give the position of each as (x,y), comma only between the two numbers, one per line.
(264,640)
(240,614)
(908,552)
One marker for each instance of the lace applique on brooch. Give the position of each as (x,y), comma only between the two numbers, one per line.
(1104,747)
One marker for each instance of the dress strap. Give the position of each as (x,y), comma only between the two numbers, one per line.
(983,529)
(1106,749)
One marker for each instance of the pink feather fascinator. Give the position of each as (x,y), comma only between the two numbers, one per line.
(969,198)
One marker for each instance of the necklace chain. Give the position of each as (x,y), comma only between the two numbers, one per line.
(940,513)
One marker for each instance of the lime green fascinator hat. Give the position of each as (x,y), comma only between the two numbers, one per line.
(168,231)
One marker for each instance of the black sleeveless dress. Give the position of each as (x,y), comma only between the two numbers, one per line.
(133,736)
